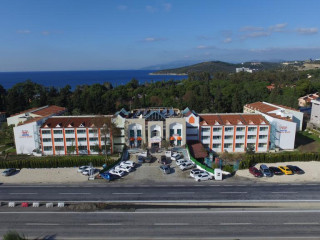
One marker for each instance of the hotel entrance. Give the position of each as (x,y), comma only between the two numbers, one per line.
(155,145)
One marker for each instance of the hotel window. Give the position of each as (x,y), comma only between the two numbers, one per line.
(205,129)
(239,145)
(47,148)
(252,145)
(252,136)
(46,131)
(228,137)
(81,131)
(58,140)
(252,129)
(59,148)
(215,129)
(262,145)
(179,143)
(81,148)
(264,128)
(216,137)
(57,131)
(179,132)
(46,139)
(239,137)
(95,131)
(204,137)
(82,139)
(69,131)
(206,146)
(228,145)
(138,133)
(240,129)
(228,129)
(93,139)
(70,139)
(155,133)
(131,133)
(216,145)
(263,136)
(171,132)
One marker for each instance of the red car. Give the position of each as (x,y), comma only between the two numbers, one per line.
(255,172)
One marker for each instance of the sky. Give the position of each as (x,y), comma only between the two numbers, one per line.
(58,35)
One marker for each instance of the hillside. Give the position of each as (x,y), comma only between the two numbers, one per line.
(217,66)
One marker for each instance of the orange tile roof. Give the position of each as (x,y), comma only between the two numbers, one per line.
(74,122)
(45,111)
(232,119)
(25,111)
(265,108)
(197,150)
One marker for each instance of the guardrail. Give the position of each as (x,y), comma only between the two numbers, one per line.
(26,204)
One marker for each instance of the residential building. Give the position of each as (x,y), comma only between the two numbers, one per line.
(234,132)
(243,69)
(315,113)
(284,121)
(306,100)
(192,124)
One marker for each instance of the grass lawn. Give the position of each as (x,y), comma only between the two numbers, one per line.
(307,142)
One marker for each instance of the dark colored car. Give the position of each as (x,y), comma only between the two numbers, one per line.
(255,172)
(163,159)
(165,169)
(275,171)
(295,169)
(140,159)
(109,177)
(148,159)
(8,172)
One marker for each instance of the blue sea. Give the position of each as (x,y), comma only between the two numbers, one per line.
(74,78)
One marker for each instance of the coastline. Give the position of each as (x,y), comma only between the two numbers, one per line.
(170,74)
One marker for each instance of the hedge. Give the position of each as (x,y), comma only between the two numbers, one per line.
(252,159)
(198,163)
(57,161)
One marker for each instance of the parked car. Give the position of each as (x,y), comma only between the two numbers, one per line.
(128,163)
(186,165)
(82,168)
(255,172)
(275,171)
(295,169)
(285,170)
(119,173)
(165,169)
(124,168)
(148,159)
(108,176)
(8,172)
(195,172)
(163,159)
(176,156)
(140,159)
(265,171)
(202,177)
(88,171)
(181,161)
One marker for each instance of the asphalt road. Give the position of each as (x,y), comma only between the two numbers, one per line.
(214,192)
(173,224)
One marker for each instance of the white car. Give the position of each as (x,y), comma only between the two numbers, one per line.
(88,171)
(119,173)
(124,168)
(196,172)
(175,156)
(202,177)
(181,161)
(187,165)
(128,163)
(82,168)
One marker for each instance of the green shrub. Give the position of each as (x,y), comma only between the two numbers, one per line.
(12,235)
(228,168)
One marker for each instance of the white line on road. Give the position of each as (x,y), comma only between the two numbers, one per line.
(181,192)
(104,224)
(23,193)
(42,224)
(283,192)
(171,224)
(235,223)
(75,193)
(127,193)
(306,223)
(233,192)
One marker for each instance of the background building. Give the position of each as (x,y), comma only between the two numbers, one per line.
(315,113)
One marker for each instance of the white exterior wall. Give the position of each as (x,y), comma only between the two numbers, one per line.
(192,129)
(20,118)
(26,138)
(119,142)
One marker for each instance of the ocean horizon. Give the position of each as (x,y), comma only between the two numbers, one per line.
(60,79)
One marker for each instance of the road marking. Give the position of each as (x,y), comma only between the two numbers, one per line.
(181,192)
(312,184)
(42,224)
(283,192)
(306,223)
(283,184)
(178,185)
(171,224)
(241,185)
(104,224)
(23,193)
(75,193)
(127,193)
(235,223)
(296,184)
(232,192)
(213,185)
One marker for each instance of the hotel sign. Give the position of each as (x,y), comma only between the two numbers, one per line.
(25,134)
(155,140)
(284,129)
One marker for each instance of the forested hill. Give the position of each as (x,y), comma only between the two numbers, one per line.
(217,66)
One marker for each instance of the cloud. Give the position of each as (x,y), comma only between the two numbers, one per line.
(307,31)
(227,40)
(122,7)
(251,28)
(45,33)
(278,27)
(153,39)
(205,47)
(256,35)
(150,9)
(24,31)
(167,7)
